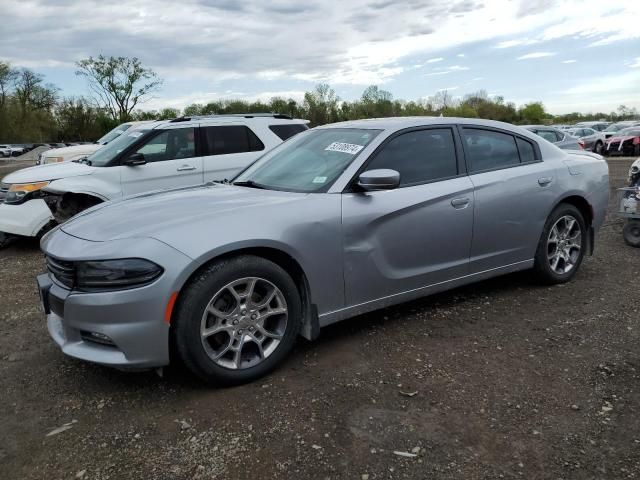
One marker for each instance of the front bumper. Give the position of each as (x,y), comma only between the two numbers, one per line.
(132,320)
(26,219)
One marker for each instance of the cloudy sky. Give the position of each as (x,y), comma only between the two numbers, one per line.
(575,55)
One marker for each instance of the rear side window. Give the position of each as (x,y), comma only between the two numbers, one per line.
(420,156)
(287,130)
(489,150)
(527,152)
(231,139)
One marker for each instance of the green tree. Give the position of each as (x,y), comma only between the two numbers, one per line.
(533,113)
(118,83)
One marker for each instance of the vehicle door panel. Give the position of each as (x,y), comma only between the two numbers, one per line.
(413,236)
(171,162)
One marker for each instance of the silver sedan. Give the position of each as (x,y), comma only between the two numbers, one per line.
(338,221)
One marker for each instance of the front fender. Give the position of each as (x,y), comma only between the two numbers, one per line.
(87,185)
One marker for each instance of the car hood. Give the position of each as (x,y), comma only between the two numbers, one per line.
(72,151)
(158,214)
(54,171)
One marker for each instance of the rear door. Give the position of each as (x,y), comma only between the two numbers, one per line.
(514,191)
(414,236)
(172,160)
(228,149)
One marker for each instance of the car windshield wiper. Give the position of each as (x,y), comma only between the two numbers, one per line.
(250,184)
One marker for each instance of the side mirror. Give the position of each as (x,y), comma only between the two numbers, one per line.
(382,179)
(134,159)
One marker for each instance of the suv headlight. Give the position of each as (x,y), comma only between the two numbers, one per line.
(101,275)
(19,192)
(47,160)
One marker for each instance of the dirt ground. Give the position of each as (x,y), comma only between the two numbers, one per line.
(502,379)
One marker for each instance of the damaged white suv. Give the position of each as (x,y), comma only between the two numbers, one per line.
(152,156)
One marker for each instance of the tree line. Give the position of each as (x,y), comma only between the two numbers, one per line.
(32,110)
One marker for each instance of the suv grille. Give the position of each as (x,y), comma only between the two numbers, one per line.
(63,272)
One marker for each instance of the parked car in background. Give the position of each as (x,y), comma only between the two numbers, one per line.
(16,150)
(338,221)
(614,128)
(152,156)
(63,153)
(5,150)
(593,140)
(625,142)
(598,126)
(559,138)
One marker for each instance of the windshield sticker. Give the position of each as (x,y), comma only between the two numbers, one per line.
(349,148)
(319,180)
(135,134)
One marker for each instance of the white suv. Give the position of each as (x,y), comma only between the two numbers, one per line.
(77,152)
(153,156)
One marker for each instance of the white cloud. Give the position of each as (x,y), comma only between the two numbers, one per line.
(435,60)
(515,43)
(460,55)
(569,61)
(448,89)
(636,63)
(446,70)
(536,55)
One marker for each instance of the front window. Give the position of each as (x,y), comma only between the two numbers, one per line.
(308,162)
(106,154)
(113,134)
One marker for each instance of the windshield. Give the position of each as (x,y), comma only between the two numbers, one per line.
(630,131)
(102,157)
(615,127)
(308,162)
(113,134)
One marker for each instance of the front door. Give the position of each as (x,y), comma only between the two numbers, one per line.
(416,235)
(171,161)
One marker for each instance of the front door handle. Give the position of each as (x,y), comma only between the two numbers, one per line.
(544,181)
(185,168)
(459,202)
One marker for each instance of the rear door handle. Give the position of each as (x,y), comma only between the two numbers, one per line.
(543,181)
(459,202)
(185,168)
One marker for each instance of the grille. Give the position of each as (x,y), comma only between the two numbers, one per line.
(63,272)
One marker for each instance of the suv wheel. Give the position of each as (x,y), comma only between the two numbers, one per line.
(237,320)
(562,245)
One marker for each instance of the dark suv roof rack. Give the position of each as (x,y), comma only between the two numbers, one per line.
(241,115)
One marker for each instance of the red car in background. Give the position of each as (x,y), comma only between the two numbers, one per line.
(626,142)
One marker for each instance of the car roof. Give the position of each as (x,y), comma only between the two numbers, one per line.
(397,123)
(245,118)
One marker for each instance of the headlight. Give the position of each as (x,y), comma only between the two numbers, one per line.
(18,192)
(101,275)
(46,160)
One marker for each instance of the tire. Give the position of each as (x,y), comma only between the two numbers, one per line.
(211,292)
(598,147)
(631,233)
(550,249)
(6,239)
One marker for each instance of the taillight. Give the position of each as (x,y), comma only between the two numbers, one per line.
(581,143)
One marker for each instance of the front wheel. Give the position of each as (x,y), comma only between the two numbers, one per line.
(561,246)
(237,320)
(598,147)
(631,233)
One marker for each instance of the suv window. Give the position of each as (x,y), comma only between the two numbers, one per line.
(170,145)
(231,139)
(419,156)
(490,150)
(287,130)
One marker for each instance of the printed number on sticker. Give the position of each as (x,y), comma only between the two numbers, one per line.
(349,148)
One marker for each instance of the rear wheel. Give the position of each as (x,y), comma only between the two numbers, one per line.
(562,245)
(237,320)
(598,147)
(631,233)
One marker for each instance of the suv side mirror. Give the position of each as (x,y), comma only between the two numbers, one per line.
(381,179)
(134,159)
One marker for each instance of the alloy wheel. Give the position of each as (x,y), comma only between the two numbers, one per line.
(564,244)
(244,323)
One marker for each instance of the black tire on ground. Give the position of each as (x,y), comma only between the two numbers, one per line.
(5,239)
(631,233)
(598,147)
(195,297)
(542,268)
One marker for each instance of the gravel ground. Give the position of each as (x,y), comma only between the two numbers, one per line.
(502,379)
